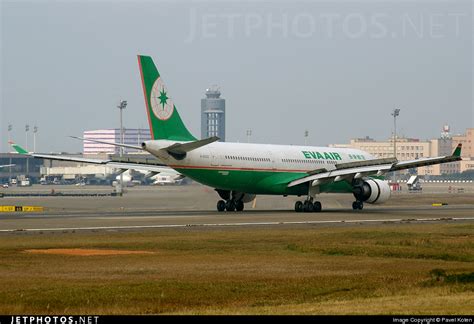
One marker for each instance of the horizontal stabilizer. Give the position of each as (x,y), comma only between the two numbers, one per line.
(183,148)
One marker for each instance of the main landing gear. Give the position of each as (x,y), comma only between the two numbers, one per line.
(357,205)
(308,206)
(231,200)
(230,205)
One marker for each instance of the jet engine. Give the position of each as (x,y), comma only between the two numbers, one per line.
(127,179)
(372,191)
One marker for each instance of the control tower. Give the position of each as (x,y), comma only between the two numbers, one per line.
(213,114)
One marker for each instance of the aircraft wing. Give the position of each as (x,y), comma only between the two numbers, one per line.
(123,164)
(344,174)
(356,170)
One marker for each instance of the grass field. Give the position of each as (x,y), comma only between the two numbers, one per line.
(386,269)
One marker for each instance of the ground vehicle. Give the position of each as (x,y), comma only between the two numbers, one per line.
(414,183)
(24,183)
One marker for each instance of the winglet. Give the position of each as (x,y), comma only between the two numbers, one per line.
(457,151)
(18,148)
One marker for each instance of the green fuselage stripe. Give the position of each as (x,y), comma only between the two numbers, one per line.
(263,182)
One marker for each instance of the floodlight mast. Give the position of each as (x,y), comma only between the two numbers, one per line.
(122,105)
(395,114)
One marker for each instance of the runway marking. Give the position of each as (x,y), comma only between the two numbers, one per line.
(162,214)
(393,220)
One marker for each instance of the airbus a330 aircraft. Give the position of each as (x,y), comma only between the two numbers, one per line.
(239,172)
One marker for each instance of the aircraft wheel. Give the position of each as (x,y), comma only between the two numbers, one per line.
(229,205)
(317,206)
(357,205)
(239,205)
(298,206)
(221,205)
(308,206)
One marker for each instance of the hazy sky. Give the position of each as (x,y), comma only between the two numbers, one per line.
(337,69)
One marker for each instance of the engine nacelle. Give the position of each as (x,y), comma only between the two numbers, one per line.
(372,191)
(127,177)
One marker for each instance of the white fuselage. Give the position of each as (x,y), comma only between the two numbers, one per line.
(255,168)
(281,158)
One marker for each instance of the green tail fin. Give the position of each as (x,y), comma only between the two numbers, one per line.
(163,117)
(457,151)
(18,148)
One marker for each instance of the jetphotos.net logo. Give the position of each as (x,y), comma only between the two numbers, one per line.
(374,20)
(53,320)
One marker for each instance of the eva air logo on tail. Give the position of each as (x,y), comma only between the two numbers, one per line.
(161,103)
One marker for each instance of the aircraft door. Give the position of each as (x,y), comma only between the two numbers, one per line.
(272,162)
(214,159)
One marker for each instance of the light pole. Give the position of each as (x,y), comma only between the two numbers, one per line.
(122,105)
(395,113)
(10,128)
(249,133)
(35,130)
(27,129)
(306,133)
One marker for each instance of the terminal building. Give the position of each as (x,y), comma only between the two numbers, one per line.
(26,166)
(132,136)
(35,169)
(412,148)
(213,114)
